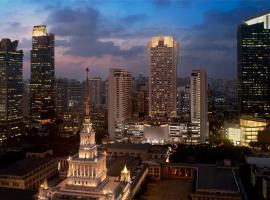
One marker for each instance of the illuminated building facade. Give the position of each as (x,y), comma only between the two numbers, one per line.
(234,135)
(87,172)
(119,101)
(198,99)
(254,66)
(11,89)
(166,132)
(249,129)
(72,120)
(163,59)
(42,95)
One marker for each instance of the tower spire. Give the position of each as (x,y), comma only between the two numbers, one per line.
(87,108)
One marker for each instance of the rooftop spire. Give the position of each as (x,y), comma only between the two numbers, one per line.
(87,109)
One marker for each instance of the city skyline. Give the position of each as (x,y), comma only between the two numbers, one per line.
(111,34)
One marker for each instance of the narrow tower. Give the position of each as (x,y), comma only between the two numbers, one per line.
(87,169)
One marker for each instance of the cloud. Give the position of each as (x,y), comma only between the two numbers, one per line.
(212,44)
(131,19)
(83,28)
(162,3)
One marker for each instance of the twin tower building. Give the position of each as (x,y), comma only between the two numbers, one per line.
(42,97)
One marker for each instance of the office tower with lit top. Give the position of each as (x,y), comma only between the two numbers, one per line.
(11,87)
(119,101)
(163,59)
(42,95)
(254,66)
(198,100)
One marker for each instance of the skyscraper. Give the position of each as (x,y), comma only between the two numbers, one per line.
(163,59)
(42,95)
(61,100)
(95,91)
(254,66)
(75,95)
(198,99)
(11,89)
(119,101)
(183,102)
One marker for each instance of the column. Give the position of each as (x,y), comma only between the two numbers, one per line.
(92,173)
(73,170)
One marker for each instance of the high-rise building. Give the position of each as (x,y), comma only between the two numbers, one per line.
(254,66)
(75,95)
(11,89)
(119,101)
(61,90)
(42,94)
(163,59)
(95,92)
(183,101)
(140,100)
(26,102)
(143,100)
(198,99)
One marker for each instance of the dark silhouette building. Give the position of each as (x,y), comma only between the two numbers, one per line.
(11,89)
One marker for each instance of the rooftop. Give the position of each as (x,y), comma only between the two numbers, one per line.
(24,166)
(260,19)
(145,147)
(216,179)
(116,165)
(158,149)
(12,194)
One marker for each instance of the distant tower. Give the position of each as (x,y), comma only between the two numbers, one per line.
(11,89)
(253,50)
(125,175)
(163,59)
(119,101)
(95,91)
(199,111)
(42,95)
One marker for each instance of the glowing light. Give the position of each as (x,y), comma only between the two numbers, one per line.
(39,31)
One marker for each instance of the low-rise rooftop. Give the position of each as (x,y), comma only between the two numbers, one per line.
(216,179)
(116,165)
(145,147)
(24,166)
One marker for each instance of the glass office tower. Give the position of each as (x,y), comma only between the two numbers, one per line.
(42,95)
(11,89)
(254,66)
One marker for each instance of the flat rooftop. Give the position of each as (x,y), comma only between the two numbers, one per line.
(158,149)
(12,194)
(116,165)
(24,166)
(129,146)
(168,189)
(216,179)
